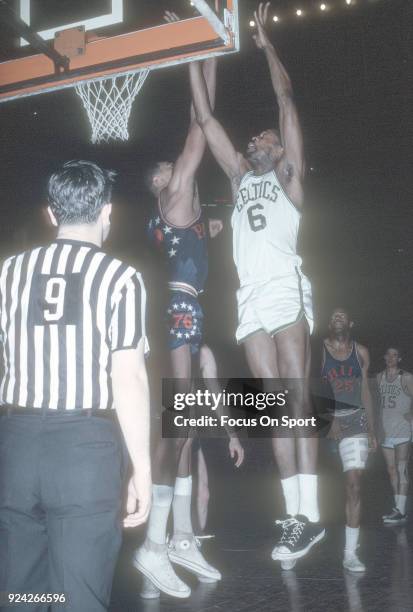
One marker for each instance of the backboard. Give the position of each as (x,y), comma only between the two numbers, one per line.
(121,36)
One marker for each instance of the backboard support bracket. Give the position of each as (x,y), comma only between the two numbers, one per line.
(70,43)
(213,19)
(19,27)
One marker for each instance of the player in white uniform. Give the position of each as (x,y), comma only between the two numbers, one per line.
(396,392)
(274,299)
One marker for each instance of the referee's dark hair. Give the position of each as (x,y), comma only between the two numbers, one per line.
(78,191)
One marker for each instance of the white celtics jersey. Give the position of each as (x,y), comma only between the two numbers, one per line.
(265,227)
(395,404)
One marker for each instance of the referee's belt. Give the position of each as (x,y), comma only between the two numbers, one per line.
(177,286)
(8,410)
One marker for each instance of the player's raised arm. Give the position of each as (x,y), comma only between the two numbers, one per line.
(233,163)
(190,159)
(289,124)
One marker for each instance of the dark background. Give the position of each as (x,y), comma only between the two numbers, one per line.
(352,73)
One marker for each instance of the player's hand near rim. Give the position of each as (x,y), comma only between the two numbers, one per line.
(170,17)
(261,15)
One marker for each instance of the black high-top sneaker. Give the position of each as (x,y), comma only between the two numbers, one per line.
(298,537)
(394,517)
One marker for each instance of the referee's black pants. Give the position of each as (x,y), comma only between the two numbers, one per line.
(60,508)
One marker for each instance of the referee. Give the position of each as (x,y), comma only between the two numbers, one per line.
(73,336)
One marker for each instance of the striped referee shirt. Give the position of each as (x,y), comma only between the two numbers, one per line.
(64,309)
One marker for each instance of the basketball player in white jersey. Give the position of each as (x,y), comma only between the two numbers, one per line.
(396,392)
(274,299)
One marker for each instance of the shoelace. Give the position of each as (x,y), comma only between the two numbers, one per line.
(198,539)
(286,522)
(292,530)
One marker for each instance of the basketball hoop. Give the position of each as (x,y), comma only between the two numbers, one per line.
(108,103)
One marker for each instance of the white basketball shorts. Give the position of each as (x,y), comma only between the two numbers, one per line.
(390,442)
(274,305)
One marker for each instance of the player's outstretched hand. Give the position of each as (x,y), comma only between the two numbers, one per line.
(170,17)
(236,450)
(261,16)
(138,503)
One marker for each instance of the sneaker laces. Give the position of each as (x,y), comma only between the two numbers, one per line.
(286,525)
(181,544)
(286,522)
(199,539)
(292,530)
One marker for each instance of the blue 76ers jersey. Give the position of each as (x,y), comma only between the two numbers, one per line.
(344,377)
(185,251)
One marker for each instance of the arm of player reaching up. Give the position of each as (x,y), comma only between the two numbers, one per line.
(131,397)
(233,164)
(366,397)
(190,159)
(292,171)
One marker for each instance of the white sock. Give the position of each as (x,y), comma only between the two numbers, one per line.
(291,494)
(181,505)
(161,506)
(396,501)
(352,539)
(401,503)
(307,484)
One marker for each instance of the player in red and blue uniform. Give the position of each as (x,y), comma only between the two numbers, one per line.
(185,252)
(180,233)
(344,371)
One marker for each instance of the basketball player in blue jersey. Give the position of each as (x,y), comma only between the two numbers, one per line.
(344,370)
(180,232)
(274,299)
(396,393)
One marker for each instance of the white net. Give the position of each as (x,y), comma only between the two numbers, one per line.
(108,103)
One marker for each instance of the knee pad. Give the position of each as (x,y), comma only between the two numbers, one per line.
(402,471)
(353,453)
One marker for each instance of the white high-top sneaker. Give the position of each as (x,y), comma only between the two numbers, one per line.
(352,563)
(156,566)
(184,551)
